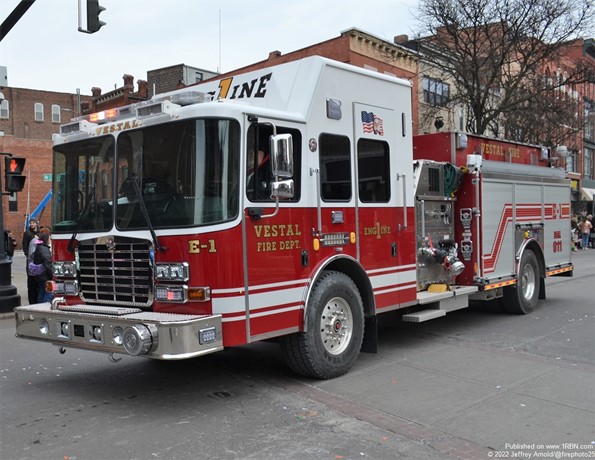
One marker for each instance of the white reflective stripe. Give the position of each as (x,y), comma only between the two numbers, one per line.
(395,269)
(391,279)
(399,288)
(235,304)
(259,287)
(264,313)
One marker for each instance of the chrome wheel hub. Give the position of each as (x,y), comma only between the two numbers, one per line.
(528,280)
(336,326)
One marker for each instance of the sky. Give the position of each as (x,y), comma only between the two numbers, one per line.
(45,51)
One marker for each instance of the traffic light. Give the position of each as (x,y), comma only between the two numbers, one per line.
(94,9)
(14,180)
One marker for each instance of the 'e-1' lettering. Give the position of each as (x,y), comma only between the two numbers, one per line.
(195,246)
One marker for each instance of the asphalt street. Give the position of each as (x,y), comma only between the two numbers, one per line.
(474,384)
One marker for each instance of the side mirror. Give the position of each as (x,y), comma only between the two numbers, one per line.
(282,156)
(282,189)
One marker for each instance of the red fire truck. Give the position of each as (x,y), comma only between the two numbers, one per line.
(282,203)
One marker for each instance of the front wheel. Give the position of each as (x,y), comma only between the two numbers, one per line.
(522,298)
(335,329)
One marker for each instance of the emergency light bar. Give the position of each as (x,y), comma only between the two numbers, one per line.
(158,108)
(77,126)
(189,98)
(153,107)
(106,115)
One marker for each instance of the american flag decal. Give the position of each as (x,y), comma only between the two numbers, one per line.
(372,123)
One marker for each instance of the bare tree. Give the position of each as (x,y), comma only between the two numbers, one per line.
(496,51)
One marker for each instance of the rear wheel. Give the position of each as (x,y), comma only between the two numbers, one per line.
(522,298)
(335,329)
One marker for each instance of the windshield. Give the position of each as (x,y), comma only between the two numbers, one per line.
(186,173)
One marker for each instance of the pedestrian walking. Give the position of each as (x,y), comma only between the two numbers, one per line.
(585,229)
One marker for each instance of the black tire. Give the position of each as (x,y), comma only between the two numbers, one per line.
(523,297)
(335,329)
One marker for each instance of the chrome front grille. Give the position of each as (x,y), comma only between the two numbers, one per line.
(120,276)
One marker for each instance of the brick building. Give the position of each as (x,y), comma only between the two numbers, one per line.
(176,76)
(118,97)
(28,118)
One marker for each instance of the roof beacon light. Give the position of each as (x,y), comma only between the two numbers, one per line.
(103,116)
(190,97)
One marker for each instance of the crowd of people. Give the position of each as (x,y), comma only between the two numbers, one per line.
(583,232)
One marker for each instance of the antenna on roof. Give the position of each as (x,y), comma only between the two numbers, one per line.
(219,68)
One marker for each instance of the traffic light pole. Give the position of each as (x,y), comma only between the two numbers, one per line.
(9,298)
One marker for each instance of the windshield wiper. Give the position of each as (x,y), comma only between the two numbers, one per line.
(143,207)
(70,247)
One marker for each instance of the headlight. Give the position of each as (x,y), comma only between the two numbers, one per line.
(67,269)
(172,271)
(171,293)
(62,288)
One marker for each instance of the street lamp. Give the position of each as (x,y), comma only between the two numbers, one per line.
(76,114)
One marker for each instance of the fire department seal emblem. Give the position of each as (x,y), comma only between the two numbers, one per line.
(313,145)
(110,244)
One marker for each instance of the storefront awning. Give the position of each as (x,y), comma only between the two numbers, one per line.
(588,193)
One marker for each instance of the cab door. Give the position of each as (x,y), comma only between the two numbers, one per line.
(275,239)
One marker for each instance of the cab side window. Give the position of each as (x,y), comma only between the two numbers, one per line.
(335,168)
(258,163)
(373,169)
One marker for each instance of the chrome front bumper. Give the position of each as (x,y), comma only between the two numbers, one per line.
(121,330)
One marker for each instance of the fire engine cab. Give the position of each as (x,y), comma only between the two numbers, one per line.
(282,203)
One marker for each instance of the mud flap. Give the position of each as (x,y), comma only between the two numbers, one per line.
(370,342)
(541,288)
